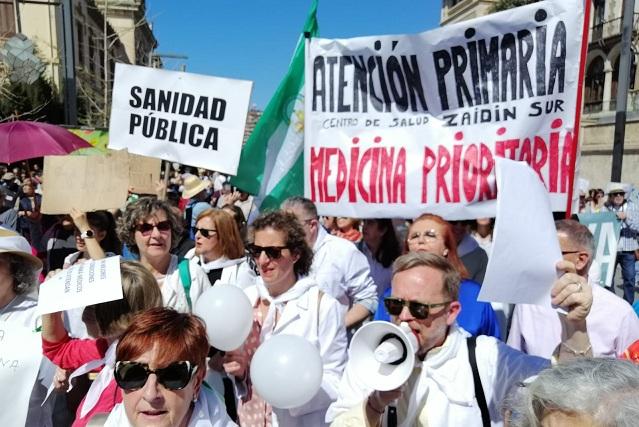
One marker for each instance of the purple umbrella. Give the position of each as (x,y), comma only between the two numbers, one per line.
(21,140)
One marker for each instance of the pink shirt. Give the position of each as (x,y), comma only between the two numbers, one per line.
(73,353)
(612,326)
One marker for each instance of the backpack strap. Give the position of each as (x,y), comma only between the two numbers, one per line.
(479,390)
(185,278)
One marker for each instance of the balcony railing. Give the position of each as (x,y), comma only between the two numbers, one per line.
(611,28)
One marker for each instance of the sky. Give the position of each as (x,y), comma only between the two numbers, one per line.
(254,39)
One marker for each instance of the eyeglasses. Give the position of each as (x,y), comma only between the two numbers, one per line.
(273,252)
(618,193)
(133,375)
(394,306)
(145,228)
(204,232)
(569,252)
(428,236)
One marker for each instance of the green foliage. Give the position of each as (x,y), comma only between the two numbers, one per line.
(509,4)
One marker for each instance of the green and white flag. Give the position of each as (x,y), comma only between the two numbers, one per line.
(272,163)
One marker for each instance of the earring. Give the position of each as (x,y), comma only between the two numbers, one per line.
(445,252)
(195,398)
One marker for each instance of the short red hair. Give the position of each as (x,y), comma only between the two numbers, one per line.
(449,242)
(176,336)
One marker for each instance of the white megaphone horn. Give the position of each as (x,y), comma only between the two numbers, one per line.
(383,354)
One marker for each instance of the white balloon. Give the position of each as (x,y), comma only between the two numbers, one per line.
(228,315)
(286,371)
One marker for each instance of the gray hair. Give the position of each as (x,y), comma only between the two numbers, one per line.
(451,277)
(305,204)
(22,271)
(606,390)
(579,234)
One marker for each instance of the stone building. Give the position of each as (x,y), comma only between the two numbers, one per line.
(600,87)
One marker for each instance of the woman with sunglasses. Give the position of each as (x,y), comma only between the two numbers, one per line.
(106,321)
(151,228)
(286,301)
(432,234)
(219,249)
(160,366)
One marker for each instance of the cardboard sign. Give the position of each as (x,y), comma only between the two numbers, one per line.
(605,228)
(181,117)
(405,124)
(87,183)
(20,358)
(521,268)
(86,283)
(144,172)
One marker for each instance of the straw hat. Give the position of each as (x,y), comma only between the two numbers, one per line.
(8,176)
(192,186)
(616,187)
(12,243)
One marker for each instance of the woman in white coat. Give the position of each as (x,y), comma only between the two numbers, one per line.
(219,250)
(151,228)
(285,301)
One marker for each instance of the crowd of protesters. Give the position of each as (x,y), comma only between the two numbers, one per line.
(143,360)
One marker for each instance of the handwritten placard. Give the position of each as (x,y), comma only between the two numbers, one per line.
(88,283)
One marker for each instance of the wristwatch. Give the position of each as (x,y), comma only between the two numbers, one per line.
(87,234)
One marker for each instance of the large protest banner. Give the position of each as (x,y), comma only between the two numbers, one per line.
(20,358)
(182,117)
(400,125)
(605,228)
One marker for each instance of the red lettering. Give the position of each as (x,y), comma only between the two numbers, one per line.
(457,152)
(316,173)
(342,174)
(386,172)
(540,156)
(366,158)
(427,166)
(566,160)
(352,177)
(510,146)
(525,152)
(471,166)
(399,178)
(329,152)
(372,182)
(553,162)
(486,166)
(443,164)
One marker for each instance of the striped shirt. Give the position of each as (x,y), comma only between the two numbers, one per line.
(629,226)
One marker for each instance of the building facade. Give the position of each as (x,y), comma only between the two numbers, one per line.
(600,87)
(98,43)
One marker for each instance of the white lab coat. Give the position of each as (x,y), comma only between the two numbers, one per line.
(235,272)
(447,382)
(327,333)
(342,271)
(173,294)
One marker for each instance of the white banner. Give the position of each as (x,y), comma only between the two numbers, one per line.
(399,125)
(20,358)
(86,283)
(188,118)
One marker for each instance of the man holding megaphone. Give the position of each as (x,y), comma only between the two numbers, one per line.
(452,380)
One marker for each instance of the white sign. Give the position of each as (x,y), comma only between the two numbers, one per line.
(406,124)
(20,358)
(521,268)
(188,118)
(87,283)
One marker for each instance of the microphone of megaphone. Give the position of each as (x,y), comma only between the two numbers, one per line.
(383,354)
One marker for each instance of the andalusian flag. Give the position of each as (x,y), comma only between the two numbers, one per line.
(272,162)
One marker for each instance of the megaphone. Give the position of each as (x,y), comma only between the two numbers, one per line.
(383,354)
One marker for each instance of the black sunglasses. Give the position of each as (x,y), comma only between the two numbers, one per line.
(145,228)
(394,306)
(273,252)
(204,232)
(618,193)
(133,375)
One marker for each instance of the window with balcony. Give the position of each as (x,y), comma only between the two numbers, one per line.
(594,82)
(598,19)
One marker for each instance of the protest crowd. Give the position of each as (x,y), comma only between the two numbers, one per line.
(182,279)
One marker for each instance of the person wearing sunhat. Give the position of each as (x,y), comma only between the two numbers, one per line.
(19,271)
(195,190)
(628,216)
